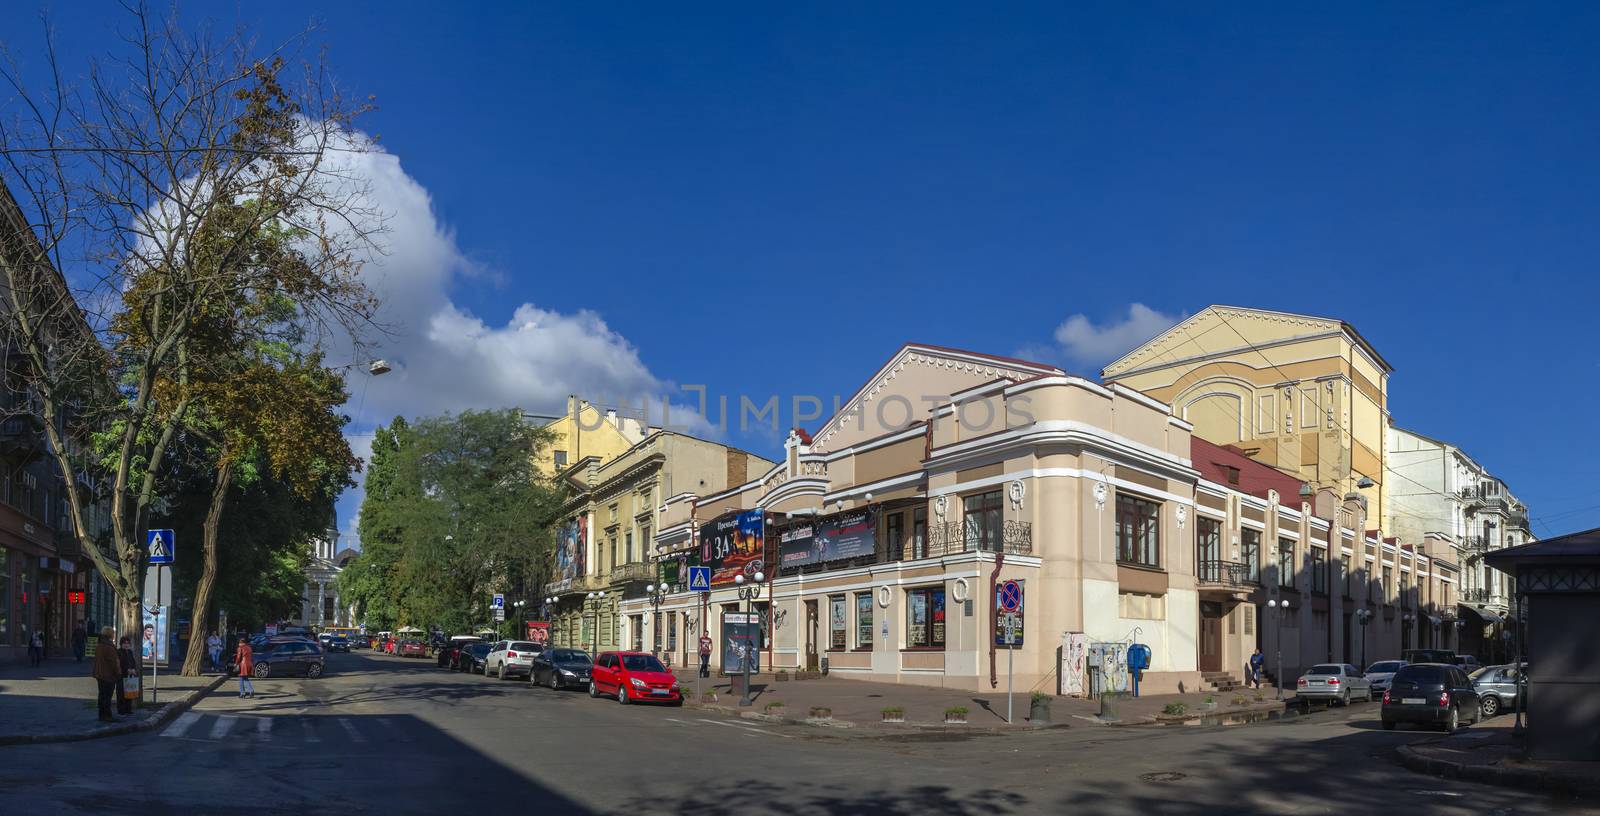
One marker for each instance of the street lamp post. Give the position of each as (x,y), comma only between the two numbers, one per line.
(597,598)
(1279,606)
(748,594)
(547,612)
(1363,617)
(655,593)
(518,627)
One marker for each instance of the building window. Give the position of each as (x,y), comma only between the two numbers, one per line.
(1317,558)
(561,458)
(1208,549)
(1286,563)
(613,512)
(1138,531)
(672,632)
(1388,584)
(919,533)
(627,550)
(863,620)
(925,618)
(613,553)
(638,633)
(1250,551)
(1405,586)
(982,514)
(837,625)
(895,529)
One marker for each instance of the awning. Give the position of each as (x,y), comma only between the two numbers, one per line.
(1488,617)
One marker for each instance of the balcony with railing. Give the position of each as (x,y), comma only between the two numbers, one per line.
(1477,595)
(1486,496)
(1224,574)
(633,573)
(1010,537)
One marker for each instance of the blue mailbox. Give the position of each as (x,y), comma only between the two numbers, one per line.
(1138,661)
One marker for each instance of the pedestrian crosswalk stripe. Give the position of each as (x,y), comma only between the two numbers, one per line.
(264,728)
(310,732)
(182,724)
(350,728)
(223,725)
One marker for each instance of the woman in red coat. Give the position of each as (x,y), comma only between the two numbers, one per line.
(246,658)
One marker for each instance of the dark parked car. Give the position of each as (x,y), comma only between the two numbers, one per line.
(473,657)
(1431,693)
(560,668)
(339,643)
(289,658)
(449,652)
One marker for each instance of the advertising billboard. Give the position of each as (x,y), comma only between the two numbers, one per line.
(539,631)
(832,538)
(741,642)
(571,546)
(734,544)
(153,637)
(795,546)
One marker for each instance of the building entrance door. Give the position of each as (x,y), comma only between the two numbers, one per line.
(811,637)
(1210,636)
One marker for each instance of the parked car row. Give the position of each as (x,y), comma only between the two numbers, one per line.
(627,677)
(1438,693)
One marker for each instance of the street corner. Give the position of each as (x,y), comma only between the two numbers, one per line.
(146,716)
(1497,757)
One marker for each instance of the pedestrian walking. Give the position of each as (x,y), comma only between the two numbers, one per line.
(80,642)
(130,669)
(247,663)
(36,648)
(214,648)
(1257,661)
(106,672)
(705,655)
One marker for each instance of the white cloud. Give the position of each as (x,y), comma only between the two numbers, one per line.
(1086,345)
(447,359)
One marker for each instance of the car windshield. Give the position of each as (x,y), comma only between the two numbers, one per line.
(1327,668)
(1420,674)
(570,656)
(521,646)
(1385,666)
(642,663)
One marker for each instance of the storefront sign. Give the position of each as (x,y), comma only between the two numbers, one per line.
(734,544)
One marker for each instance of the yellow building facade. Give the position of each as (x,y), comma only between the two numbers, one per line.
(586,431)
(1306,395)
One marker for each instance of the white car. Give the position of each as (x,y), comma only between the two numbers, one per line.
(511,658)
(1382,672)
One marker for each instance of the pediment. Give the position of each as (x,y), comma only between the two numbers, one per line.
(1217,329)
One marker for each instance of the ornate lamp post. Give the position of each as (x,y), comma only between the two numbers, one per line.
(1281,606)
(597,598)
(546,611)
(655,593)
(748,594)
(1363,617)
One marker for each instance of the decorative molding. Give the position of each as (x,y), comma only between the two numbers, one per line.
(1017,490)
(941,506)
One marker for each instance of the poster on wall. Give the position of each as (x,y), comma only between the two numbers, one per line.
(741,642)
(571,545)
(539,631)
(836,622)
(734,544)
(153,636)
(1074,666)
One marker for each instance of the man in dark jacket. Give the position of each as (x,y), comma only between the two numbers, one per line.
(107,672)
(130,668)
(80,641)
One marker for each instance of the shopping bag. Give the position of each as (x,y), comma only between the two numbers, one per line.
(130,688)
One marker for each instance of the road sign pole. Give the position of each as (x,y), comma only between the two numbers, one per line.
(155,648)
(1010,657)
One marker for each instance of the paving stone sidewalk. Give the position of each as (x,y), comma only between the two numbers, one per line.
(56,702)
(861,703)
(1490,753)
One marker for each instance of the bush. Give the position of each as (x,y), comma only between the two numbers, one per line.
(955,711)
(775,704)
(1174,709)
(1240,700)
(1210,699)
(894,713)
(1041,697)
(1260,696)
(821,712)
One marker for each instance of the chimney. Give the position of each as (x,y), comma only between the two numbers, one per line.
(572,405)
(611,417)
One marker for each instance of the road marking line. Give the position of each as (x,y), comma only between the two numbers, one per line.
(310,732)
(264,728)
(350,728)
(224,725)
(184,722)
(678,721)
(751,729)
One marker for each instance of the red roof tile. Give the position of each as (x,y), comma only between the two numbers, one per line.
(1218,463)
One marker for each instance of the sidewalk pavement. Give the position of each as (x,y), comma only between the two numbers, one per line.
(1489,753)
(860,703)
(55,702)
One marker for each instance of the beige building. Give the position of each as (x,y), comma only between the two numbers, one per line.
(1306,395)
(586,431)
(604,550)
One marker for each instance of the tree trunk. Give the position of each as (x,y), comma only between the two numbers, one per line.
(201,616)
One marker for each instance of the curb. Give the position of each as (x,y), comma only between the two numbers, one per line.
(161,718)
(1504,776)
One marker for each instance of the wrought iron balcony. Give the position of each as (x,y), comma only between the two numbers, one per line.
(1476,595)
(1012,537)
(1473,545)
(1233,574)
(633,573)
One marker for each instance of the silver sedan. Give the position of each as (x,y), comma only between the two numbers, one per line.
(1381,673)
(1335,682)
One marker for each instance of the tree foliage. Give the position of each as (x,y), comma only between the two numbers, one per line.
(454,512)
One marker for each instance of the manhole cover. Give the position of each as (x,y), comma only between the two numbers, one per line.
(1162,776)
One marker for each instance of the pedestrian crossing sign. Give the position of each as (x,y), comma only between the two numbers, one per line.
(160,543)
(699,579)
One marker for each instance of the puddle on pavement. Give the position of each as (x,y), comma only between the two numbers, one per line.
(1236,718)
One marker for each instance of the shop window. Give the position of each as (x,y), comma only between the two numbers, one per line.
(982,515)
(1138,531)
(925,618)
(864,620)
(837,622)
(1250,553)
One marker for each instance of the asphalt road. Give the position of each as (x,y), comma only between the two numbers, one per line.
(387,735)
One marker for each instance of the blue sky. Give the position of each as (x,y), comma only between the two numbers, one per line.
(770,201)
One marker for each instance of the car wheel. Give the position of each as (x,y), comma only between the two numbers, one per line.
(262,670)
(1454,722)
(1344,699)
(1388,725)
(622,695)
(1490,706)
(314,670)
(502,671)
(555,682)
(594,691)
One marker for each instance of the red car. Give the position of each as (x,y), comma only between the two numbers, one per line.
(412,648)
(634,677)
